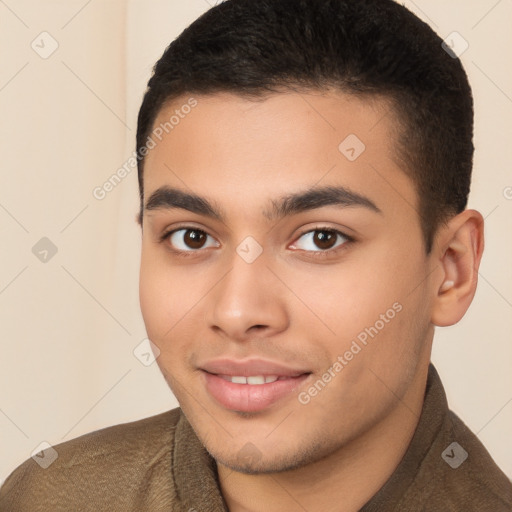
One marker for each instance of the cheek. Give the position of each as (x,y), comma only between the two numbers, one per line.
(351,297)
(169,296)
(396,312)
(162,310)
(150,293)
(158,297)
(379,295)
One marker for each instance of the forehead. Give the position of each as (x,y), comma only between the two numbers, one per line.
(241,151)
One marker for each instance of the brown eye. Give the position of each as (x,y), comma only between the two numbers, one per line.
(324,239)
(194,238)
(189,239)
(321,240)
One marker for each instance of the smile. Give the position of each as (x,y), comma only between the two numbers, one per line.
(253,379)
(252,393)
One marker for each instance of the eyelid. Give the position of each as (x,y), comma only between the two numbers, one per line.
(326,252)
(169,232)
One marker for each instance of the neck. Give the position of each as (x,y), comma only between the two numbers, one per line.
(345,480)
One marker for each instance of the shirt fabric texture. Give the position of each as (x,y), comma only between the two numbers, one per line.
(158,464)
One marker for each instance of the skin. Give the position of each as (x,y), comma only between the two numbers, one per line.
(295,308)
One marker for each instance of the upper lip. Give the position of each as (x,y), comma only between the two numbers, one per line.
(250,367)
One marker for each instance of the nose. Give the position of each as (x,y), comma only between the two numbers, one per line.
(248,301)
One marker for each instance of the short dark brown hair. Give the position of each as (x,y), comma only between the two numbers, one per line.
(365,47)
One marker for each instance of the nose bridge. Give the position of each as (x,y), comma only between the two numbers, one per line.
(246,297)
(240,289)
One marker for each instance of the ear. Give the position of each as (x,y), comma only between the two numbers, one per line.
(458,251)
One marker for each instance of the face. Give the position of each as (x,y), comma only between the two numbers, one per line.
(276,246)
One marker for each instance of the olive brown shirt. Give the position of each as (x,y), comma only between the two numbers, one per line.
(158,464)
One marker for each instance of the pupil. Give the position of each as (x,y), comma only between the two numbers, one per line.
(194,238)
(321,237)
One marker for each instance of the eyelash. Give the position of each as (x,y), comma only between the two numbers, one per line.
(316,254)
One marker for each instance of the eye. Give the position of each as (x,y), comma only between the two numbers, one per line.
(325,239)
(188,239)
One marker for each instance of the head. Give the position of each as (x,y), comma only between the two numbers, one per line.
(320,155)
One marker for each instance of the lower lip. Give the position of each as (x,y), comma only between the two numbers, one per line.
(250,397)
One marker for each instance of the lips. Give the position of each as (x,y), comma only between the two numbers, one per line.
(251,367)
(250,385)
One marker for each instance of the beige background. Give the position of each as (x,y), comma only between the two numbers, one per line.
(69,326)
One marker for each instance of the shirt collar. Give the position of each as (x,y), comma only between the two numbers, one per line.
(433,414)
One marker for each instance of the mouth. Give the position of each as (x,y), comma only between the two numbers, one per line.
(244,391)
(253,380)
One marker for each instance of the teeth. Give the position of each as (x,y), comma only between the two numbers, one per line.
(256,379)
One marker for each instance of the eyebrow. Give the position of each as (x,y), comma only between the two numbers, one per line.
(290,204)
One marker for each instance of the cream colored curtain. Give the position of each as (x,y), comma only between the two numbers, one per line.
(72,76)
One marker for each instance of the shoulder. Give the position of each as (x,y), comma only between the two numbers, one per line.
(128,457)
(472,475)
(462,473)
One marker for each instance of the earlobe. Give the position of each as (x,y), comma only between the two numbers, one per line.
(459,253)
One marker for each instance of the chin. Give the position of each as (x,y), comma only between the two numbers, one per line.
(251,461)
